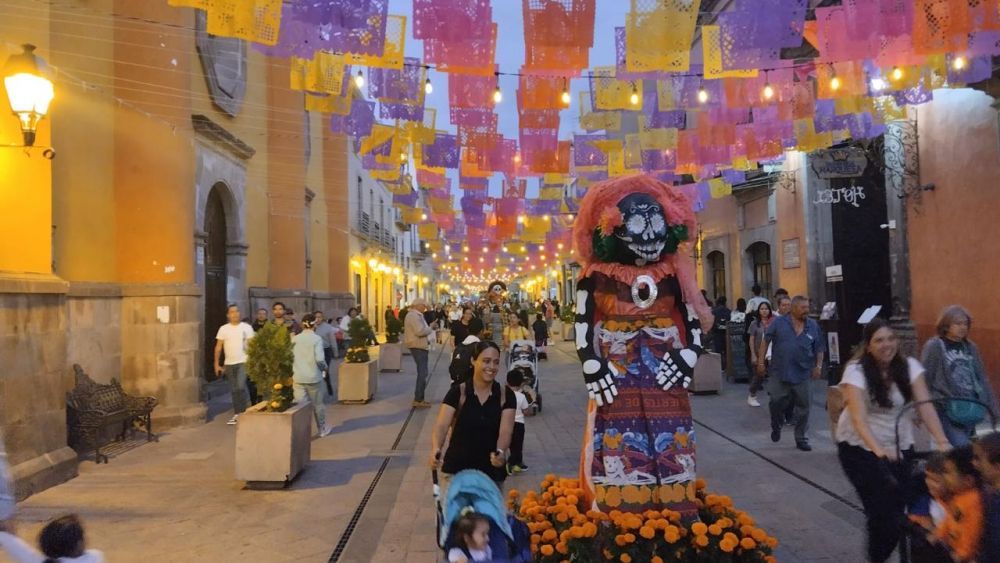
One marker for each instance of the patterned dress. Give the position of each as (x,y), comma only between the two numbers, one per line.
(640,449)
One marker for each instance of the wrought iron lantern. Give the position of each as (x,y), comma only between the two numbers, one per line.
(29,90)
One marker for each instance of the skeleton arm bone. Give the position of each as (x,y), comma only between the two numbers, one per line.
(678,365)
(597,373)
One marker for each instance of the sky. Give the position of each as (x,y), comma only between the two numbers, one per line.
(510,57)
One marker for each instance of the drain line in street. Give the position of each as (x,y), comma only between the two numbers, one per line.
(798,476)
(338,551)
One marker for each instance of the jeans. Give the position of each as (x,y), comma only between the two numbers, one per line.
(315,394)
(517,445)
(883,488)
(329,355)
(420,358)
(794,395)
(236,375)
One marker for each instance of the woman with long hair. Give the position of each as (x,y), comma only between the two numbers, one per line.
(878,383)
(480,414)
(955,370)
(761,321)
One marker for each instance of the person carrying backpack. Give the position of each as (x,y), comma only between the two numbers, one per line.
(461,367)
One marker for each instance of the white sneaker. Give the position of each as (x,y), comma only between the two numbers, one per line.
(752,401)
(233,420)
(326,431)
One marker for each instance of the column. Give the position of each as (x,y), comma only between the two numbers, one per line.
(902,175)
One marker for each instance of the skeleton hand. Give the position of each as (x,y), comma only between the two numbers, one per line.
(599,375)
(676,369)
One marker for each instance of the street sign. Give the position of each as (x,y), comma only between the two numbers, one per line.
(835,273)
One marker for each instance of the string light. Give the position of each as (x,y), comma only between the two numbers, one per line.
(702,95)
(497,94)
(897,73)
(958,63)
(423,216)
(517,158)
(428,87)
(566,99)
(768,90)
(878,84)
(359,80)
(634,98)
(834,79)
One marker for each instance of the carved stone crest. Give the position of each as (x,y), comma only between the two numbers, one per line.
(224,61)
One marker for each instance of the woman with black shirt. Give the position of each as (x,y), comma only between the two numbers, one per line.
(460,329)
(483,421)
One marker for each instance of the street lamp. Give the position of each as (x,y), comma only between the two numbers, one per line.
(29,90)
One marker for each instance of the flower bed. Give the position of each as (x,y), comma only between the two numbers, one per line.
(564,529)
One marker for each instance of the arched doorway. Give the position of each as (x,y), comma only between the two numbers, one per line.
(717,273)
(760,261)
(215,273)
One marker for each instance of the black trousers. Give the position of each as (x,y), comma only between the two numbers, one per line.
(517,445)
(884,489)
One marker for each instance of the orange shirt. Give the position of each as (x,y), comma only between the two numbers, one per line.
(962,527)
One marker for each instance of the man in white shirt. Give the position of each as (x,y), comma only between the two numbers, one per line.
(232,338)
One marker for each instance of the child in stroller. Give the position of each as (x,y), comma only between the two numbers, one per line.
(476,509)
(524,356)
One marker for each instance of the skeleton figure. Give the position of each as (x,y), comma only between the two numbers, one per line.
(495,315)
(638,337)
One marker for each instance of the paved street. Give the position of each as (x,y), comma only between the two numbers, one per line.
(176,500)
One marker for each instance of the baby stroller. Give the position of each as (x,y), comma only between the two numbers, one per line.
(913,545)
(510,540)
(524,355)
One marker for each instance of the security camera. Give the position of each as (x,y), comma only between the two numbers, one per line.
(49,153)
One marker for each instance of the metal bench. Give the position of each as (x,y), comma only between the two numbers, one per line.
(92,407)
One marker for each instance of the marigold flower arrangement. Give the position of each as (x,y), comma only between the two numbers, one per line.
(564,529)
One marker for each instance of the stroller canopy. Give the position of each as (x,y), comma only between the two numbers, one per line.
(472,488)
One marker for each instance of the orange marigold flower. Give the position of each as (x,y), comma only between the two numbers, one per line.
(699,528)
(562,548)
(626,558)
(748,543)
(513,493)
(547,550)
(549,535)
(715,529)
(620,540)
(550,477)
(672,534)
(629,537)
(699,484)
(727,546)
(589,529)
(656,559)
(535,538)
(771,559)
(772,542)
(758,534)
(701,541)
(647,532)
(562,517)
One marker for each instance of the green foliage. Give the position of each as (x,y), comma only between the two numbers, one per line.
(393,328)
(568,314)
(358,330)
(269,365)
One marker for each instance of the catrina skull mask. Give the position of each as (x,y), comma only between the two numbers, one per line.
(643,231)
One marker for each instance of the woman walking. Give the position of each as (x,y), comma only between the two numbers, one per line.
(878,383)
(955,371)
(482,411)
(758,327)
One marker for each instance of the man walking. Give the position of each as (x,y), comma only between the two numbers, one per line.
(307,371)
(232,338)
(261,320)
(415,333)
(796,358)
(326,331)
(279,312)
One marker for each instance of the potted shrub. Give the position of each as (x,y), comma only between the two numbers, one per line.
(358,379)
(391,353)
(273,436)
(568,330)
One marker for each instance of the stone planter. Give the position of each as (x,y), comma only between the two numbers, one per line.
(568,332)
(374,354)
(357,383)
(391,357)
(273,447)
(707,374)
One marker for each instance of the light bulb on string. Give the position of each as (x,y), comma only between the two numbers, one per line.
(497,94)
(634,98)
(359,80)
(958,63)
(702,95)
(428,87)
(897,73)
(834,79)
(566,98)
(768,90)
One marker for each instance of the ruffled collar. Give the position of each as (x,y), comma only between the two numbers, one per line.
(627,274)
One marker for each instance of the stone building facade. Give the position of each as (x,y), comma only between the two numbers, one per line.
(188,175)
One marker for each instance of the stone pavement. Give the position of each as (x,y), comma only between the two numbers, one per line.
(176,500)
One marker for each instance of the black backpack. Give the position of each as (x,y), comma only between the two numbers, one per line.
(461,368)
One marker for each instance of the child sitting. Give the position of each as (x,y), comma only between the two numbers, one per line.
(515,380)
(61,541)
(962,527)
(987,461)
(472,536)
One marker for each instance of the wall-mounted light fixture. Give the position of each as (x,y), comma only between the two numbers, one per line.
(29,90)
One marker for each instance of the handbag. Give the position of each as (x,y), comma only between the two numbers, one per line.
(966,413)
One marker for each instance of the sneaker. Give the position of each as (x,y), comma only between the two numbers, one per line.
(519,469)
(776,434)
(804,446)
(421,404)
(752,401)
(325,431)
(233,420)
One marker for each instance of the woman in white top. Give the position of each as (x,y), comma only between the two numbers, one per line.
(878,383)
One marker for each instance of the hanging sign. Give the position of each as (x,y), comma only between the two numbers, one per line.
(851,195)
(839,163)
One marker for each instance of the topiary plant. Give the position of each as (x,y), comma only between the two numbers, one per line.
(269,365)
(358,329)
(393,328)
